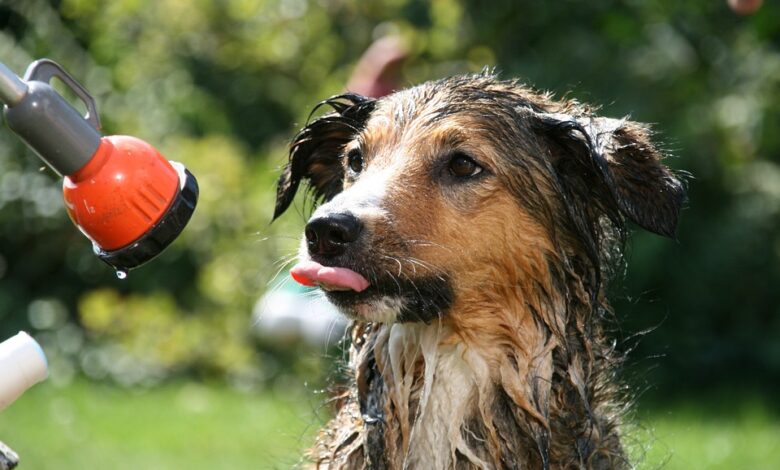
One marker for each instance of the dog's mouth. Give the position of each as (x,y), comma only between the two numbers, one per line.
(344,287)
(329,278)
(378,299)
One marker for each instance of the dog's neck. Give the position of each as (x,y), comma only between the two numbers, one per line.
(500,388)
(429,390)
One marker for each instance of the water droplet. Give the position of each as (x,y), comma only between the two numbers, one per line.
(121,274)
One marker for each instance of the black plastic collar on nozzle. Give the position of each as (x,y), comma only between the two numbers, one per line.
(153,242)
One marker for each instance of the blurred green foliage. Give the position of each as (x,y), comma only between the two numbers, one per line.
(221,85)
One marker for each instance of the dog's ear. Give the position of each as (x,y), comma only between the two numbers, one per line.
(315,153)
(619,156)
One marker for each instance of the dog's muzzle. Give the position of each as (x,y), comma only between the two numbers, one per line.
(331,242)
(331,235)
(340,256)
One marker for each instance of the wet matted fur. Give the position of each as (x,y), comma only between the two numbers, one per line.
(492,216)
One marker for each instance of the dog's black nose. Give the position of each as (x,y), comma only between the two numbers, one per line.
(330,235)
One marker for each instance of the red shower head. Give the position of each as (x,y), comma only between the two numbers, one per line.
(126,197)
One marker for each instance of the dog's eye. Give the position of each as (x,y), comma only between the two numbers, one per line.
(355,160)
(462,166)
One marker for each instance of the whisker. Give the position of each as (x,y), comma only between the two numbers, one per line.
(266,238)
(429,243)
(314,294)
(284,260)
(400,267)
(400,290)
(423,264)
(282,265)
(410,260)
(331,330)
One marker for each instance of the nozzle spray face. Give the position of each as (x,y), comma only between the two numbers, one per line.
(162,233)
(129,200)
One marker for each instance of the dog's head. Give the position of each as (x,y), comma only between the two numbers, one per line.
(462,189)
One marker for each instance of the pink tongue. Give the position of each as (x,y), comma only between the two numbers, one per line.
(310,273)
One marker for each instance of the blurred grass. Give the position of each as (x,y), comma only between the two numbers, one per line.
(713,433)
(194,426)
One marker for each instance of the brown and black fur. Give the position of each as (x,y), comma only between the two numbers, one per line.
(497,357)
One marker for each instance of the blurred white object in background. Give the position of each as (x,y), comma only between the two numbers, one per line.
(22,365)
(290,313)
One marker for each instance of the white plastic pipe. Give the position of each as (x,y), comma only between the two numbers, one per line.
(22,365)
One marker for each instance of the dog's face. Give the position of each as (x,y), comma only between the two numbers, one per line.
(452,192)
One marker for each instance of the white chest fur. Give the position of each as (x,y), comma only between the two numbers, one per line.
(448,396)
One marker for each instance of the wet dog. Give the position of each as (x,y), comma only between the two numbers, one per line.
(468,228)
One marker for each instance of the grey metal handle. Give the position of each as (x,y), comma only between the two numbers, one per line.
(43,70)
(48,123)
(12,88)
